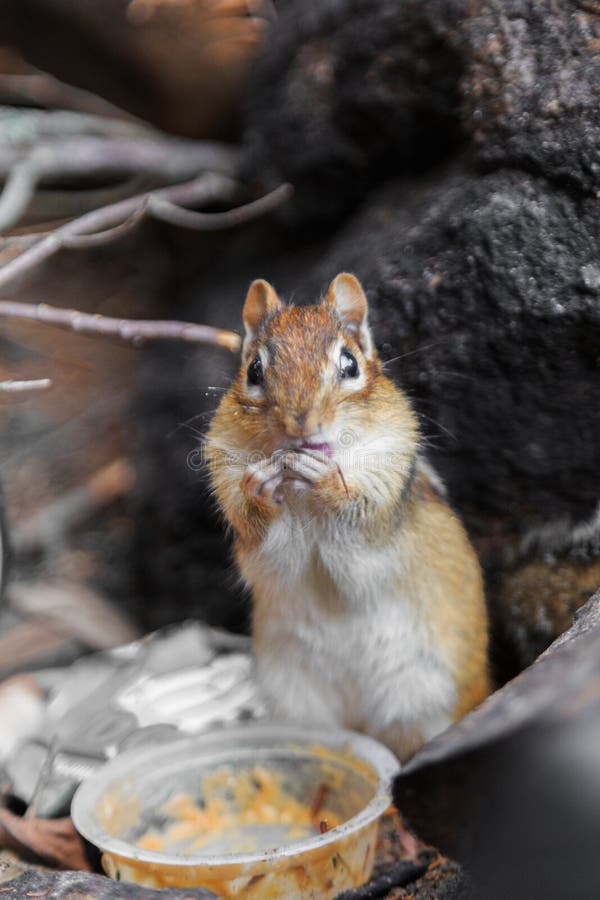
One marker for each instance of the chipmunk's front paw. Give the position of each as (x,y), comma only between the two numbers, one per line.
(262,482)
(314,469)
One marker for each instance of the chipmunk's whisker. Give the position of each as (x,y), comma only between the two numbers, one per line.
(421,349)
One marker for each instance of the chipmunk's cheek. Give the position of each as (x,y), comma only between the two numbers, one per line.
(347,442)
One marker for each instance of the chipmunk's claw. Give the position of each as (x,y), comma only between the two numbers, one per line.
(262,480)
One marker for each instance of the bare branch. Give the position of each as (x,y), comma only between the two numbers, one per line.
(21,241)
(135,330)
(85,241)
(51,202)
(24,129)
(162,203)
(45,90)
(18,191)
(103,224)
(102,150)
(35,384)
(169,212)
(199,190)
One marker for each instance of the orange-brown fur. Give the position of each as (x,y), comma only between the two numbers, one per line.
(394,511)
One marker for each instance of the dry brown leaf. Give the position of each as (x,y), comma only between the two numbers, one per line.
(54,842)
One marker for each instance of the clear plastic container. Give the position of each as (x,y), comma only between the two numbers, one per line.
(337,783)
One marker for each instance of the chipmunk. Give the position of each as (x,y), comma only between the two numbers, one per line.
(368,606)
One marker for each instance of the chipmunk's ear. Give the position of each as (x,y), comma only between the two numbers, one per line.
(261,302)
(348,299)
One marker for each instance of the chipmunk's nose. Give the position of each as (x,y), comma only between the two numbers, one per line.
(300,425)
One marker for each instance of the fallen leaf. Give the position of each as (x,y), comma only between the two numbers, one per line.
(54,842)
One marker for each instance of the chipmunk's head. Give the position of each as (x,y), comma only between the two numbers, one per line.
(306,369)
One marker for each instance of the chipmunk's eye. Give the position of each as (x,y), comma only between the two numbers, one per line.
(348,365)
(255,371)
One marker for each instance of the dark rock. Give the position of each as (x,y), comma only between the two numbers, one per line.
(348,90)
(71,885)
(432,877)
(532,77)
(404,872)
(474,283)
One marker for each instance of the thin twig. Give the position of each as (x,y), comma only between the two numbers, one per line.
(134,330)
(163,160)
(44,90)
(50,203)
(35,384)
(209,186)
(19,188)
(22,241)
(199,221)
(24,129)
(85,241)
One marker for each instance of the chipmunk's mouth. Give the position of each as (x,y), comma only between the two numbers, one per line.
(325,448)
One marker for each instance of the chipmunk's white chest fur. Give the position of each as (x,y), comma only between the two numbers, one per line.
(340,639)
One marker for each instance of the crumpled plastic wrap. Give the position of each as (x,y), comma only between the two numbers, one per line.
(184,679)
